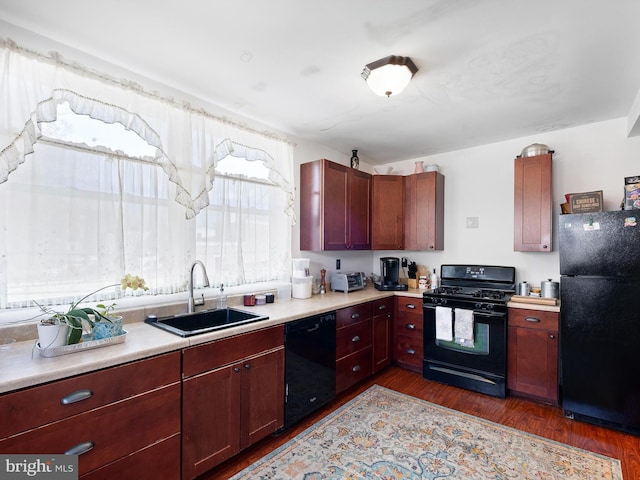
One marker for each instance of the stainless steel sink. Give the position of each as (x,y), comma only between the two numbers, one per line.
(188,324)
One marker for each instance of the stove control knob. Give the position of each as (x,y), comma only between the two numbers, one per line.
(489,306)
(444,301)
(478,305)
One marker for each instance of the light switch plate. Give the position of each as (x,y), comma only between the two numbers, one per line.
(473,222)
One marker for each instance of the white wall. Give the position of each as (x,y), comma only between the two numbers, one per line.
(479,183)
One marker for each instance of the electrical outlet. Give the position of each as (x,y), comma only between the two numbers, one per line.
(337,264)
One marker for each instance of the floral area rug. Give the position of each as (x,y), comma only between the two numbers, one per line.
(383,434)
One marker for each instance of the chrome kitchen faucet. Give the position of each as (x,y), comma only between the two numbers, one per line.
(191,301)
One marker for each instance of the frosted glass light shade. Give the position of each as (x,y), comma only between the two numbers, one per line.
(389,76)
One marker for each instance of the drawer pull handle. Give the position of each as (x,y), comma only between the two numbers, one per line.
(356,368)
(411,351)
(355,315)
(80,448)
(76,396)
(532,319)
(410,305)
(355,339)
(411,326)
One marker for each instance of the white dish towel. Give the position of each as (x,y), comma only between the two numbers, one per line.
(464,327)
(444,324)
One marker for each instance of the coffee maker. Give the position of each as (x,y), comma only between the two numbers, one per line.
(389,273)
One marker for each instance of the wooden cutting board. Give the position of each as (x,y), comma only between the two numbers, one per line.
(536,300)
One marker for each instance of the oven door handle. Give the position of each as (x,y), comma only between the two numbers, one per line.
(475,312)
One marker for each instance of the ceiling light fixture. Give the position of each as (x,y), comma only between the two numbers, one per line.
(388,76)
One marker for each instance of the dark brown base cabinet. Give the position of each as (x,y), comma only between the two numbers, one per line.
(407,333)
(125,418)
(233,396)
(532,355)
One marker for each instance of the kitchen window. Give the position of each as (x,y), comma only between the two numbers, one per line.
(92,202)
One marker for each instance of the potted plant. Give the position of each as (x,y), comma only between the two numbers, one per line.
(66,328)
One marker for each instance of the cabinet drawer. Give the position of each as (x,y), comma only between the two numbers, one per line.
(353,338)
(353,368)
(160,460)
(409,305)
(111,432)
(409,350)
(64,398)
(537,319)
(383,306)
(409,325)
(209,356)
(357,313)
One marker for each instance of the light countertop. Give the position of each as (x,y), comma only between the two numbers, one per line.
(21,365)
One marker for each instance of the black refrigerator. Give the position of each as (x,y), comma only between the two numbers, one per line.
(600,318)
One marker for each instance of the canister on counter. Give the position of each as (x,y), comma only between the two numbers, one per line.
(523,289)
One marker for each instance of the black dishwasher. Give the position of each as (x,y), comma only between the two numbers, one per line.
(310,365)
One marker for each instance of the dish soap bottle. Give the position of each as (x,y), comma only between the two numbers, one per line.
(434,280)
(222,299)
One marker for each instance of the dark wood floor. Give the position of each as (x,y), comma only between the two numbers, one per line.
(542,420)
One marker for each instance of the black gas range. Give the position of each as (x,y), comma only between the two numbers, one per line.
(478,296)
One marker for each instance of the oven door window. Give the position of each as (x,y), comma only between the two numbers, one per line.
(480,341)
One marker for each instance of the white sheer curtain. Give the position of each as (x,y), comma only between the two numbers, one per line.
(92,216)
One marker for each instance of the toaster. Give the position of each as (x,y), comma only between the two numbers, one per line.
(347,282)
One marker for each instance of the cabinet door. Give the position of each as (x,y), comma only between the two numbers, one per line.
(210,419)
(262,397)
(532,204)
(387,219)
(335,191)
(532,363)
(424,216)
(382,324)
(359,211)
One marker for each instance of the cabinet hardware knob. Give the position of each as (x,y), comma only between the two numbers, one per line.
(236,369)
(411,326)
(411,351)
(545,246)
(247,366)
(410,305)
(80,448)
(382,307)
(532,319)
(356,368)
(355,339)
(355,315)
(76,396)
(552,336)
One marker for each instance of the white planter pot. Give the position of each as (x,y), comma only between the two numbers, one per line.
(52,335)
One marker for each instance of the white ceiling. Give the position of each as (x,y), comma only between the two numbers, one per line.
(489,70)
